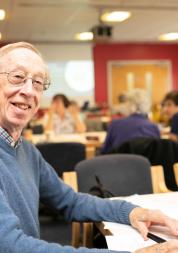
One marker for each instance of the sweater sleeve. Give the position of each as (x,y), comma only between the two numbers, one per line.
(80,206)
(14,240)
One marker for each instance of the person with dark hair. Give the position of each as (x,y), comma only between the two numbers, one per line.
(170,108)
(61,119)
(63,98)
(26,178)
(122,109)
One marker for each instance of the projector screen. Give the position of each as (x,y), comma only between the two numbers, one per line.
(75,79)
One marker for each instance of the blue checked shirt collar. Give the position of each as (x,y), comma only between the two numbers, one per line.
(8,139)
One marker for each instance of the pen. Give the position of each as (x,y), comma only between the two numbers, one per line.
(155,238)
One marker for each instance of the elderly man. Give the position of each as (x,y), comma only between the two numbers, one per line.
(25,176)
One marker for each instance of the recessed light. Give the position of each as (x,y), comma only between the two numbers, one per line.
(84,36)
(115,16)
(169,36)
(2,14)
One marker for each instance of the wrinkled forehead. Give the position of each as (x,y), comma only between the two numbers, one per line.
(23,58)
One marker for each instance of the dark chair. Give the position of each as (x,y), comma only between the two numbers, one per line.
(37,129)
(158,151)
(121,175)
(62,156)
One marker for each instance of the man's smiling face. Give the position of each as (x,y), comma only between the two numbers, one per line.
(18,104)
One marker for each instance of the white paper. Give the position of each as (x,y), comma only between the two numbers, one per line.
(127,243)
(126,238)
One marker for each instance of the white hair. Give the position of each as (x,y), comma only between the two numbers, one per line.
(138,101)
(22,44)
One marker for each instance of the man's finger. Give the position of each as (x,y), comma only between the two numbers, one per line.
(172,224)
(142,228)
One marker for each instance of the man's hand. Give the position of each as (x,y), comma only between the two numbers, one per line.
(166,247)
(74,111)
(142,219)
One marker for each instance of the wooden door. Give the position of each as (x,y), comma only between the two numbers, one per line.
(154,77)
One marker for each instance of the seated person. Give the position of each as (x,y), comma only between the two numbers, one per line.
(135,125)
(75,110)
(170,108)
(121,110)
(62,118)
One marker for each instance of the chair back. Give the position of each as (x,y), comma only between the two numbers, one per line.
(62,156)
(37,129)
(158,151)
(121,175)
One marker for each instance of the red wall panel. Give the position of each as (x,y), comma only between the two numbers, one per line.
(102,53)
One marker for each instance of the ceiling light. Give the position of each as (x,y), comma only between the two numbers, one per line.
(115,16)
(84,36)
(2,14)
(168,36)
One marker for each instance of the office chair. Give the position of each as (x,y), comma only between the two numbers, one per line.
(63,156)
(37,129)
(162,152)
(121,174)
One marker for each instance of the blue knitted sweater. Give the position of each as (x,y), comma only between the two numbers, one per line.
(24,178)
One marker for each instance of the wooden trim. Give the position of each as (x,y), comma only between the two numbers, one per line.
(88,234)
(158,180)
(175,167)
(70,178)
(100,226)
(75,241)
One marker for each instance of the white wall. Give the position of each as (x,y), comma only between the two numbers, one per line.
(63,53)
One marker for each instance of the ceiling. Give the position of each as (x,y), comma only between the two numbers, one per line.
(57,21)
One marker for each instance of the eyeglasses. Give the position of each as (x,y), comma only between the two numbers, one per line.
(18,78)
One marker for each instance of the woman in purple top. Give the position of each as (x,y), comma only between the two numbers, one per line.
(135,125)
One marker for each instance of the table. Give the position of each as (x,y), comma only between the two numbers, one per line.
(129,239)
(92,140)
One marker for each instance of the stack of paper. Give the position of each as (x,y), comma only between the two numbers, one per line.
(126,238)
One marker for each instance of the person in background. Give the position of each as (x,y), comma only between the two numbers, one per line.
(170,108)
(121,110)
(62,118)
(135,125)
(75,110)
(25,177)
